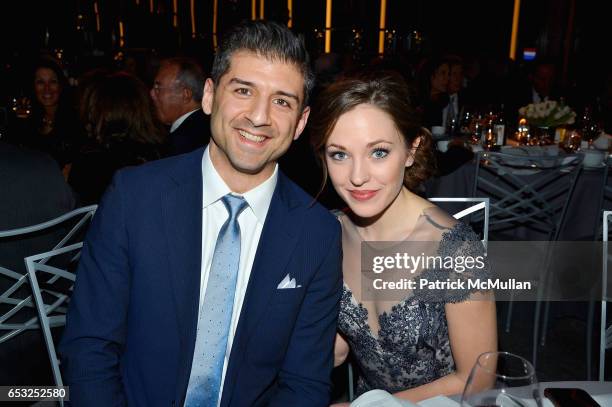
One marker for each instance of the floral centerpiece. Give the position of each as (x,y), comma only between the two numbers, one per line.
(548,114)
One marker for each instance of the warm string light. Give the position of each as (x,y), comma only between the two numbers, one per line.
(515,21)
(97,13)
(121,35)
(193,24)
(290,9)
(261,9)
(328,20)
(381,31)
(215,24)
(175,13)
(253,9)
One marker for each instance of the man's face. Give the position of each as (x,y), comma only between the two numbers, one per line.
(167,94)
(456,79)
(256,111)
(543,79)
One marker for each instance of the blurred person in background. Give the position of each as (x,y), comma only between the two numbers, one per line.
(122,130)
(433,88)
(52,126)
(33,191)
(177,95)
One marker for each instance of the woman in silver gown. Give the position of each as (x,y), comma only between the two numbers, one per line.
(416,342)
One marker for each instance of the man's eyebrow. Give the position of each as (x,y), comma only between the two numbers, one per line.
(242,82)
(289,95)
(278,92)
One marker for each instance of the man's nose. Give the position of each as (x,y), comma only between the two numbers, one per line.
(259,112)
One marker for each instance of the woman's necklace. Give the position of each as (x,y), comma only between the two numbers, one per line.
(47,122)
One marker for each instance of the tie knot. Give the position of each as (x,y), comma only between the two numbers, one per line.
(234,205)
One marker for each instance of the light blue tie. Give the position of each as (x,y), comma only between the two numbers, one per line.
(215,314)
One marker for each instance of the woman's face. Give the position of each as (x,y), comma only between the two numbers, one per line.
(366,158)
(47,87)
(440,79)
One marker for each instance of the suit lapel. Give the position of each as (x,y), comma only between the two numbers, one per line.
(276,245)
(182,218)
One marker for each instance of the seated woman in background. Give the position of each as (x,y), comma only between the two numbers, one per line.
(53,126)
(413,343)
(122,130)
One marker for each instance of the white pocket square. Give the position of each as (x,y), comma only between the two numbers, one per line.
(287,282)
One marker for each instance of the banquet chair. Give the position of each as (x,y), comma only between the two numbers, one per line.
(606,194)
(460,209)
(605,333)
(18,310)
(526,191)
(51,289)
(480,206)
(530,192)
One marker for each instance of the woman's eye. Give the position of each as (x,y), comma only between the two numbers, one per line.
(337,155)
(380,153)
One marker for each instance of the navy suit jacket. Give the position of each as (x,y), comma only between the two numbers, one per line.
(192,134)
(131,327)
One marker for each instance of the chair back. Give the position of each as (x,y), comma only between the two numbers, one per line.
(17,308)
(476,207)
(531,191)
(605,334)
(52,276)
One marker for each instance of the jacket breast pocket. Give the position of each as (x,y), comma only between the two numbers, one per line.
(287,296)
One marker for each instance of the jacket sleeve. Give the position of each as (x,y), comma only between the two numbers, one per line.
(95,331)
(304,379)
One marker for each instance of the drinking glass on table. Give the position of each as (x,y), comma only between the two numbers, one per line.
(501,379)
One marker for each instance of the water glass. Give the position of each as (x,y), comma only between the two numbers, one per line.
(501,379)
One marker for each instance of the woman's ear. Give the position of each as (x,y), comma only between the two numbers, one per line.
(412,151)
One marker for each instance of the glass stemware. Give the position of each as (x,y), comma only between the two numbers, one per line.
(501,379)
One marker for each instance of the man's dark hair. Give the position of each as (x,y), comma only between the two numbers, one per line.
(267,39)
(189,75)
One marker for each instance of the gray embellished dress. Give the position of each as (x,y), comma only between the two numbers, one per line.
(401,343)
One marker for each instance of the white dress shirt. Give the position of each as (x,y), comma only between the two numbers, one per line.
(446,112)
(180,120)
(251,222)
(536,98)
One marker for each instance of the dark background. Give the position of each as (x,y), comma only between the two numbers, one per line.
(476,27)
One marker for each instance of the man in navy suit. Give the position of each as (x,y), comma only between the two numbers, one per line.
(177,95)
(132,335)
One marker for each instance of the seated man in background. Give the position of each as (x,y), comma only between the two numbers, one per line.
(33,191)
(177,94)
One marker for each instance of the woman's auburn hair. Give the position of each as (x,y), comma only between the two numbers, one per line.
(386,91)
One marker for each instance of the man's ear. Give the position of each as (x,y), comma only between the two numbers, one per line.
(209,95)
(187,95)
(412,152)
(301,122)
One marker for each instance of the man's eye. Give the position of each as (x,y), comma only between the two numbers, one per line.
(243,91)
(282,102)
(380,153)
(337,155)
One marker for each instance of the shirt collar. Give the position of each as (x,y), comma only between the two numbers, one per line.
(180,120)
(214,188)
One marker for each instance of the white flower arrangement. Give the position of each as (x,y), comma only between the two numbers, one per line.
(548,114)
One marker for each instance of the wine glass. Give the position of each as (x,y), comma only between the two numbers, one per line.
(501,379)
